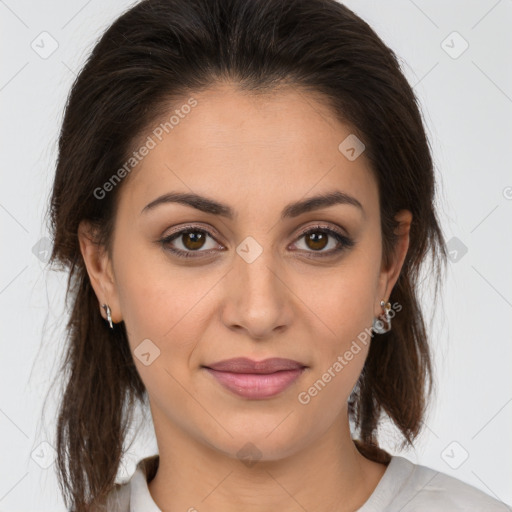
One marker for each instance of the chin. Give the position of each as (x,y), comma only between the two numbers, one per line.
(270,442)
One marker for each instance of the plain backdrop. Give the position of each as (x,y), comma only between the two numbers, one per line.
(455,54)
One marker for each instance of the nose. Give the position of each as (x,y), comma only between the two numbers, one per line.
(257,298)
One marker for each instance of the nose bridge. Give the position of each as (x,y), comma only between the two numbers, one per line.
(256,293)
(255,268)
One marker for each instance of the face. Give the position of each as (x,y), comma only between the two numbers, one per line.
(196,287)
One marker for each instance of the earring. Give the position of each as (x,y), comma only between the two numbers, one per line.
(109,317)
(378,325)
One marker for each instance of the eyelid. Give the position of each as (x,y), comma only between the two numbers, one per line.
(208,230)
(188,227)
(321,225)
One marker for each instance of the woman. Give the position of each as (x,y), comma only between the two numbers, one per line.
(244,199)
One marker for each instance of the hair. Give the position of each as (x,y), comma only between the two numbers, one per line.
(159,51)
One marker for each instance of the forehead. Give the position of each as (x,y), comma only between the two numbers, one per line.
(247,149)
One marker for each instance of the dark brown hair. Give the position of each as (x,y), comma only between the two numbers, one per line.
(161,50)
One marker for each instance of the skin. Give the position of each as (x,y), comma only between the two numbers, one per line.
(255,154)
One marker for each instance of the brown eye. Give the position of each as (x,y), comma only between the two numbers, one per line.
(189,241)
(316,240)
(193,240)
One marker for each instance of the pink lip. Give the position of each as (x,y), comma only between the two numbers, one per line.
(254,385)
(256,379)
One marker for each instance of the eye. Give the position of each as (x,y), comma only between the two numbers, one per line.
(316,239)
(191,239)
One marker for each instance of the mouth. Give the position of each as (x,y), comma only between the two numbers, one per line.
(256,380)
(266,366)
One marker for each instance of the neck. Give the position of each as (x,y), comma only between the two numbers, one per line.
(326,476)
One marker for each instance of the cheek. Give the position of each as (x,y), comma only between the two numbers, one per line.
(343,304)
(342,298)
(160,301)
(341,345)
(144,290)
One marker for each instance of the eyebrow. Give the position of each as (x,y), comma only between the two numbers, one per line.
(292,210)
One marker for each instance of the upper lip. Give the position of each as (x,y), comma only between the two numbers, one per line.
(245,365)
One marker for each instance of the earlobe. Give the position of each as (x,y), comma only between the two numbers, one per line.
(99,269)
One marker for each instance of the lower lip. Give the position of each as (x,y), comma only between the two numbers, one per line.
(252,385)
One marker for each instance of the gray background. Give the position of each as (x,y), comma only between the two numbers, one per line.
(466,100)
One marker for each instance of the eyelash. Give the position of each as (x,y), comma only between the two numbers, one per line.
(345,242)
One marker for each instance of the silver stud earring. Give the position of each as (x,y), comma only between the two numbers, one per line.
(109,317)
(379,326)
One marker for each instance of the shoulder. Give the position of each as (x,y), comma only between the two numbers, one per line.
(120,496)
(117,500)
(426,489)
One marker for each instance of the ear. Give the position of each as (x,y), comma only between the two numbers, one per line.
(389,276)
(100,271)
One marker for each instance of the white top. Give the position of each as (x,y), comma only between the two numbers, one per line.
(404,487)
